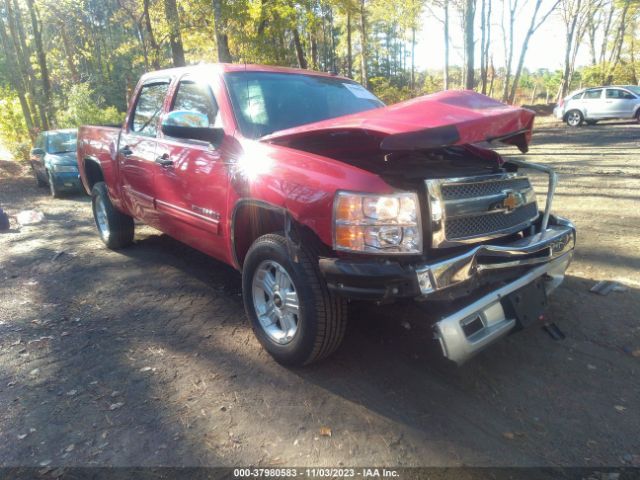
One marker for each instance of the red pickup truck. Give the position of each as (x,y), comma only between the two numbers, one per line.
(320,194)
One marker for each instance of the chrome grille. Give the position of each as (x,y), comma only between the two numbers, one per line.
(473,209)
(457,191)
(464,227)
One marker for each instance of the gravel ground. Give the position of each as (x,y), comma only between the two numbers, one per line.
(144,356)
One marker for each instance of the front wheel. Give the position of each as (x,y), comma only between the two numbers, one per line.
(116,229)
(574,118)
(292,313)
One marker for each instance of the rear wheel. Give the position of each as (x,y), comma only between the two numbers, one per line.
(115,228)
(574,118)
(292,313)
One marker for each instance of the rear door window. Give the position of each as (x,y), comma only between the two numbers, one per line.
(577,96)
(148,109)
(616,93)
(593,94)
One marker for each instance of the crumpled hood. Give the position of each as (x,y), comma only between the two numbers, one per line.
(452,117)
(67,158)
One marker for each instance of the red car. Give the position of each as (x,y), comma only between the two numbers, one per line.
(319,193)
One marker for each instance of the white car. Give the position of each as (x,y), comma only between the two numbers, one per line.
(589,105)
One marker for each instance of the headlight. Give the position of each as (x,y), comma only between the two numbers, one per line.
(386,224)
(65,168)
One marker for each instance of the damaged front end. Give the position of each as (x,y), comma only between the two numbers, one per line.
(488,251)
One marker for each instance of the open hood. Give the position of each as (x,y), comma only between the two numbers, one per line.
(433,121)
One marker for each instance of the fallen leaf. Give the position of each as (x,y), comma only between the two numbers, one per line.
(71,393)
(325,432)
(509,435)
(145,369)
(115,406)
(22,436)
(620,408)
(636,353)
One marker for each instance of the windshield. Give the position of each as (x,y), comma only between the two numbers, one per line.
(61,142)
(265,102)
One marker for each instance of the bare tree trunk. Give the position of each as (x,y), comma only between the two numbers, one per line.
(175,39)
(349,52)
(42,58)
(533,26)
(413,58)
(302,61)
(222,40)
(15,79)
(22,55)
(364,79)
(469,43)
(152,39)
(508,48)
(446,45)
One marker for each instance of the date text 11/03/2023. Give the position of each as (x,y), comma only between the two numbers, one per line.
(363,472)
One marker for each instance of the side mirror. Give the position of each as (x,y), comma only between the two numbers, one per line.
(37,152)
(191,125)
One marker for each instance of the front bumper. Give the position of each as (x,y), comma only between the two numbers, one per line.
(477,279)
(67,180)
(450,278)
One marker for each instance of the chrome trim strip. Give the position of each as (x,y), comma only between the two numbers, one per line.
(456,346)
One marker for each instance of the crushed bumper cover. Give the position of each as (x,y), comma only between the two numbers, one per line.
(508,267)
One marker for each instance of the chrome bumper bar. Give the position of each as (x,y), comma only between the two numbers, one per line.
(544,247)
(459,347)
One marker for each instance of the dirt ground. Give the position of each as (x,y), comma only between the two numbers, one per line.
(144,356)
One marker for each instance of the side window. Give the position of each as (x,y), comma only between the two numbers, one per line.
(197,97)
(592,94)
(148,108)
(40,141)
(619,94)
(577,96)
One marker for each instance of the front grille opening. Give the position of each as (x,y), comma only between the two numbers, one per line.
(469,227)
(472,325)
(458,191)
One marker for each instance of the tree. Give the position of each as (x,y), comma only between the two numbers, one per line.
(533,27)
(222,39)
(469,43)
(175,38)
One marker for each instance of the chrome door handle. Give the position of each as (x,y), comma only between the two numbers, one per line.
(126,151)
(164,160)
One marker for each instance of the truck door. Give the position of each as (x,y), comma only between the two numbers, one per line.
(192,175)
(137,151)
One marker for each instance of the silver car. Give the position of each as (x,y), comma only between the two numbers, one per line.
(589,105)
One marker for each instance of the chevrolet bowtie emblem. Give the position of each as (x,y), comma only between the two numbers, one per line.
(512,201)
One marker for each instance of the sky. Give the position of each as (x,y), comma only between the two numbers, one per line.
(546,48)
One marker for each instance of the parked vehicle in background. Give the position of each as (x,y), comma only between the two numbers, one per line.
(589,105)
(53,160)
(319,194)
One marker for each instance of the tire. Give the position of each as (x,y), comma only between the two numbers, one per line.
(638,116)
(321,317)
(39,181)
(115,228)
(574,118)
(53,190)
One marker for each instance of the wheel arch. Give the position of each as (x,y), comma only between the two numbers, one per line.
(260,218)
(92,173)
